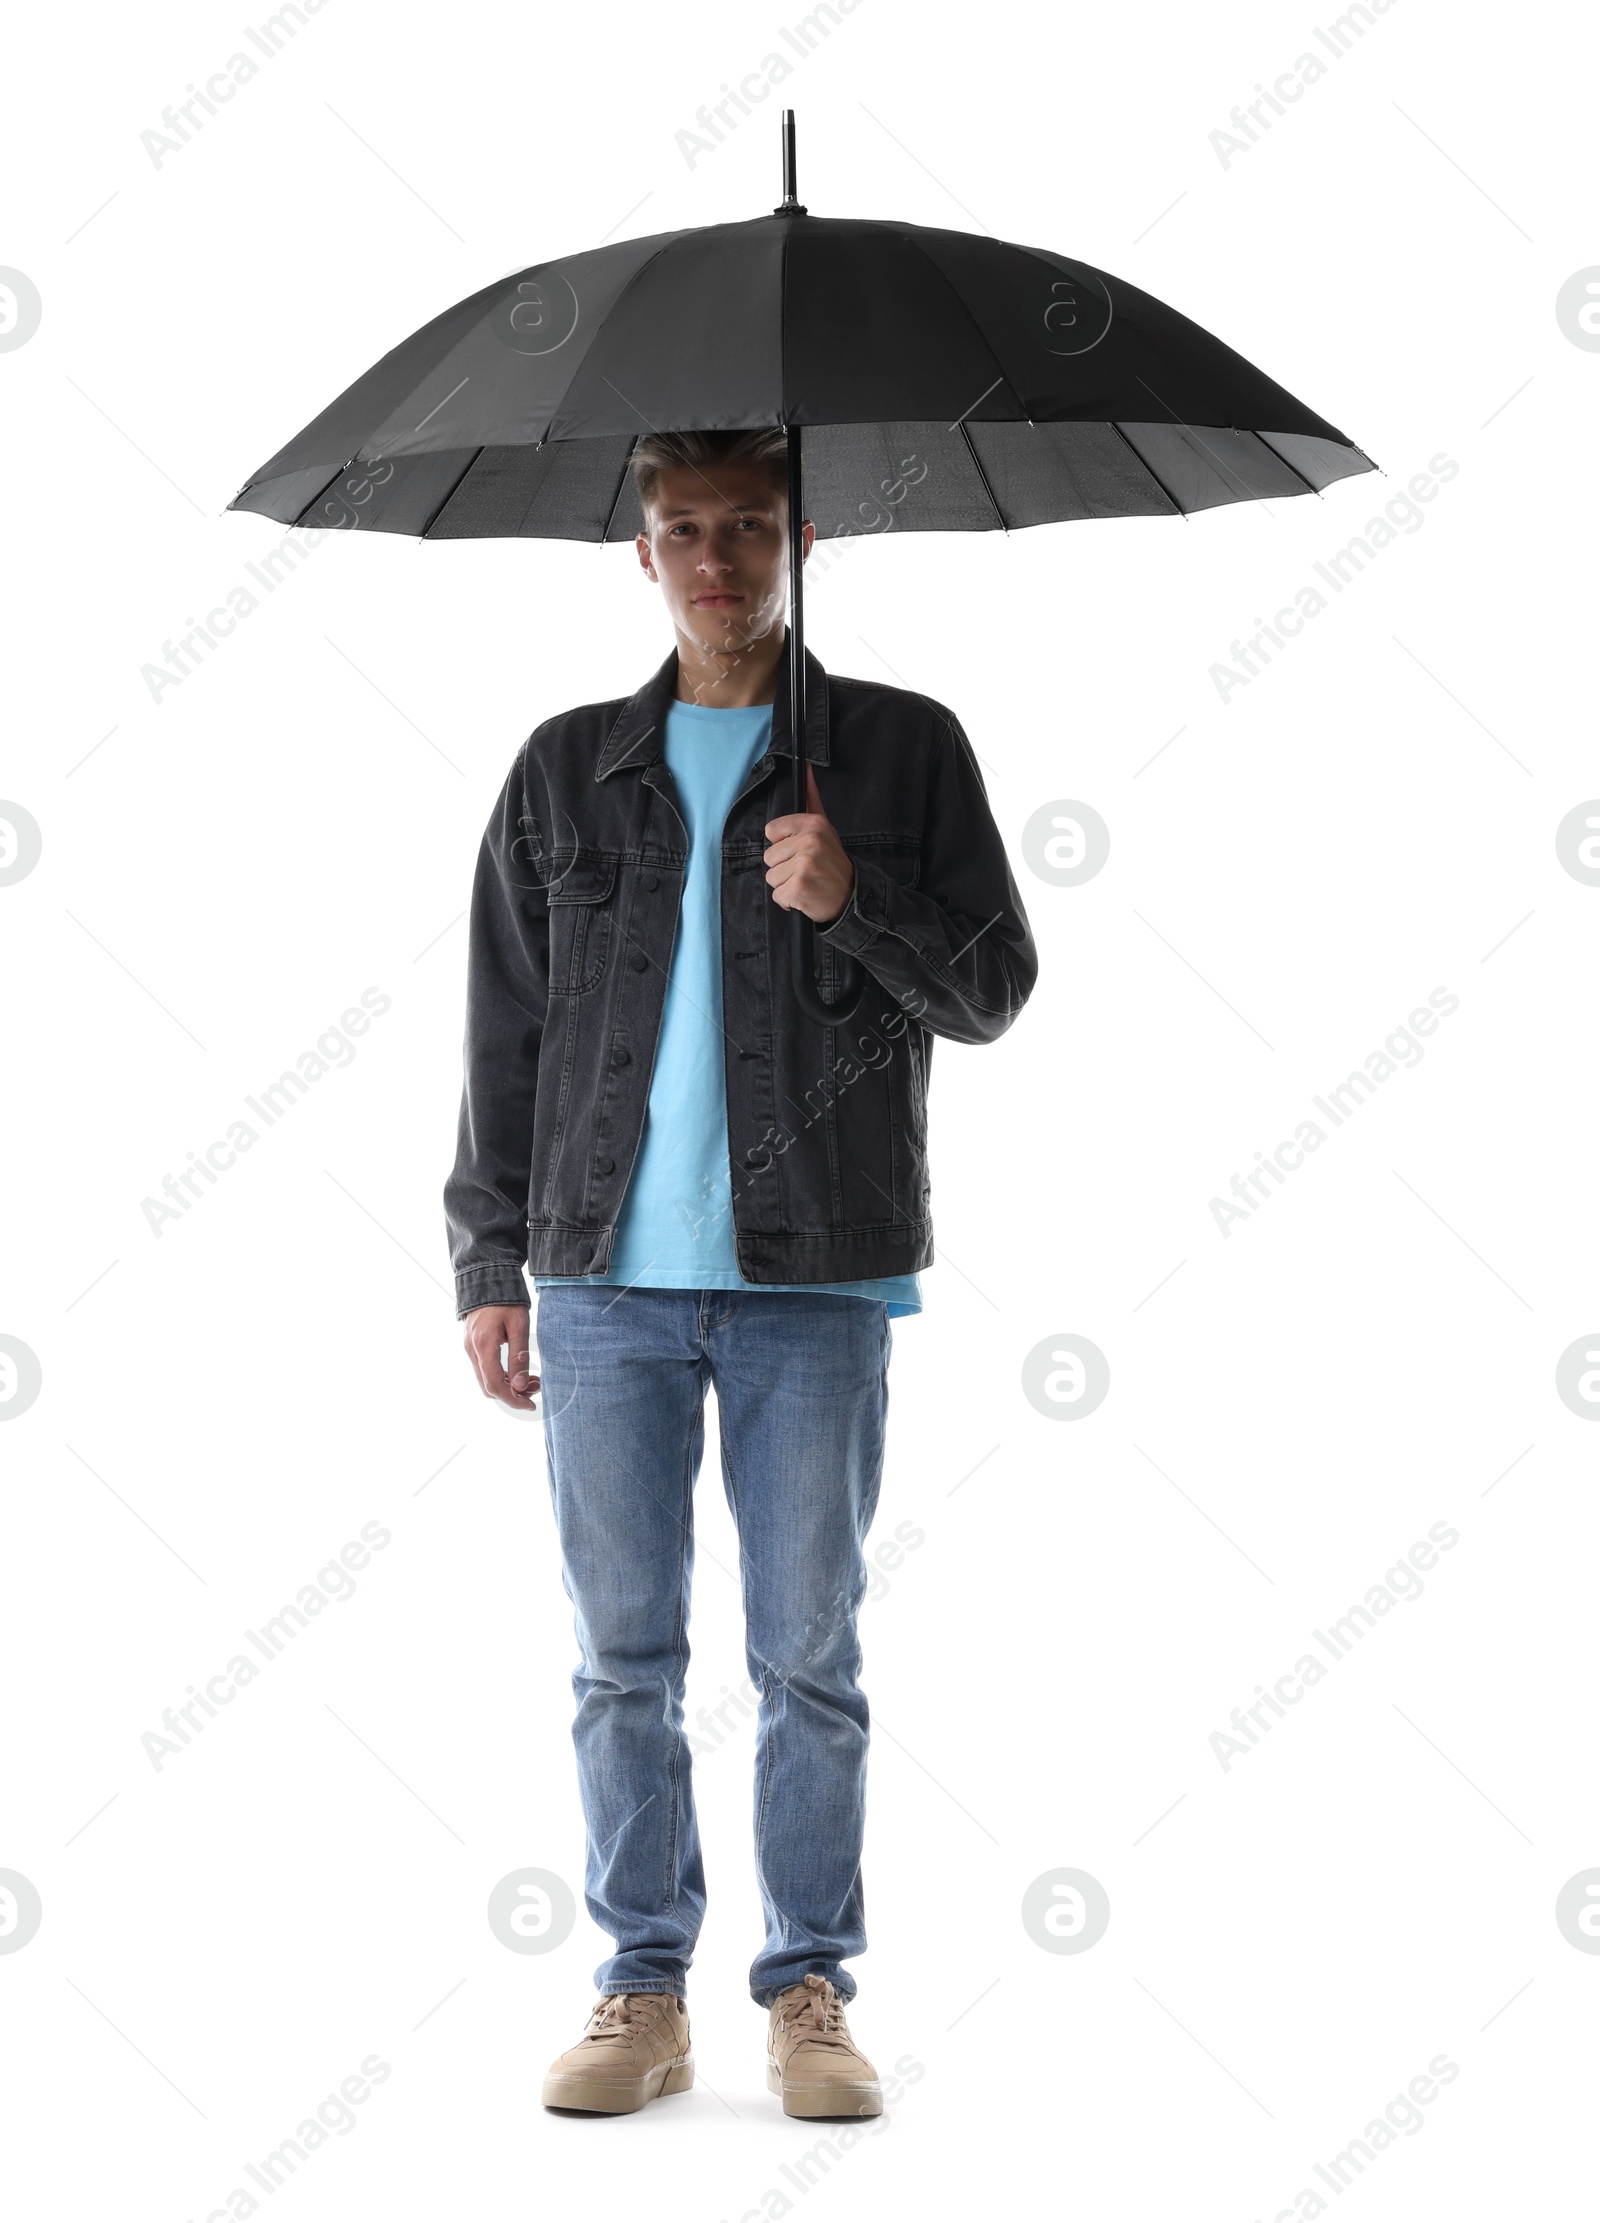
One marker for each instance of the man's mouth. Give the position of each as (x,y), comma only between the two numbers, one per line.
(720,599)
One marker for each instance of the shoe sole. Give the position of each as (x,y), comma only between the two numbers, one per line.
(841,2101)
(596,2095)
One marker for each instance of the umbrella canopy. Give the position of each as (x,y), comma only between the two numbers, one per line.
(1022,387)
(937,381)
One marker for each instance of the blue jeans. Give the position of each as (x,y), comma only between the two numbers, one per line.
(802,1397)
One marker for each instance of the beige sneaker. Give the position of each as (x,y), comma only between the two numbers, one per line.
(635,2048)
(812,2059)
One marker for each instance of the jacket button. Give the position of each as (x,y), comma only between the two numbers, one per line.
(554,888)
(651,883)
(619,1055)
(752,1155)
(605,1165)
(638,961)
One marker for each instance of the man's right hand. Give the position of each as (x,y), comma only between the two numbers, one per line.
(494,1328)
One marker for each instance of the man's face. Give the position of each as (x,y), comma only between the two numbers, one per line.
(716,542)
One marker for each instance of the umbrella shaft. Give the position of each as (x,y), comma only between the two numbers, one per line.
(851,978)
(797,620)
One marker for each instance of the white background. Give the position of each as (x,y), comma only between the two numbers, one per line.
(1292,1939)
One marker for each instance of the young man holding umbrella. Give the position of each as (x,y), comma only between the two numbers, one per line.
(712,1187)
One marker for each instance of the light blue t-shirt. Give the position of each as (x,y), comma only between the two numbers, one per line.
(675,1229)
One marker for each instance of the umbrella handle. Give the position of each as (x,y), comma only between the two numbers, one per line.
(802,930)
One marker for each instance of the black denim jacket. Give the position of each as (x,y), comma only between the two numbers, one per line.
(574,909)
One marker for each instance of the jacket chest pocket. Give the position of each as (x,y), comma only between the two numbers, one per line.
(581,921)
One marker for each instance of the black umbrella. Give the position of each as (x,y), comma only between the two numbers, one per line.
(948,382)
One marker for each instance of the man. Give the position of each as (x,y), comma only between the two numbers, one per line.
(710,1187)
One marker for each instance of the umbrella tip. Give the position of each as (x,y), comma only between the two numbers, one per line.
(789,205)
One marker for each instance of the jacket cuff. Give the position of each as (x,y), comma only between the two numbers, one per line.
(496,1281)
(864,917)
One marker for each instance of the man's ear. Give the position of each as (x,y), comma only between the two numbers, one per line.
(642,543)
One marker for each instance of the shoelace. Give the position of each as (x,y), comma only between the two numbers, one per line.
(818,2018)
(615,2016)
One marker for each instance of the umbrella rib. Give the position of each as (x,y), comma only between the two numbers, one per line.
(1299,474)
(454,490)
(1139,459)
(622,481)
(984,341)
(300,519)
(668,241)
(983,474)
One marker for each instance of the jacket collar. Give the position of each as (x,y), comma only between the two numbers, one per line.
(636,738)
